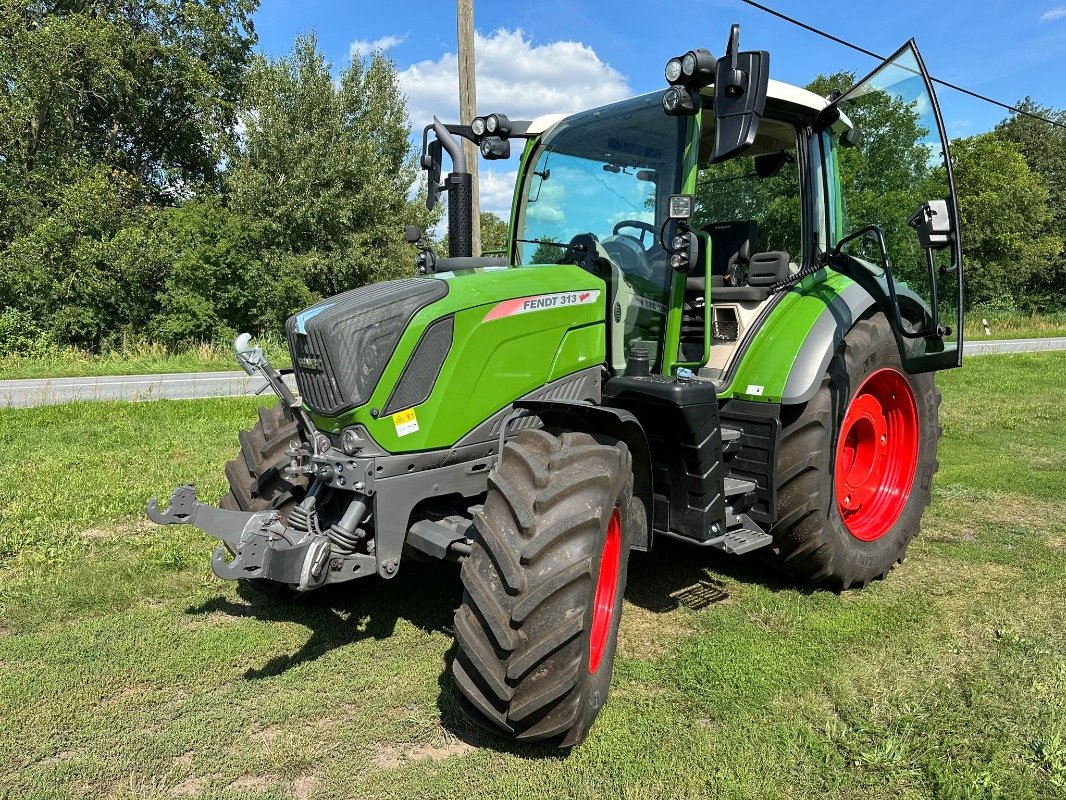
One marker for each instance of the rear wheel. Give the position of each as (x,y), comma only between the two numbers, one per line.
(538,625)
(258,482)
(856,464)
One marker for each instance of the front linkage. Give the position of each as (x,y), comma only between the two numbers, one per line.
(262,544)
(372,522)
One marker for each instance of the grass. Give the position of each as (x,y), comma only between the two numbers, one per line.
(133,358)
(128,671)
(1014,325)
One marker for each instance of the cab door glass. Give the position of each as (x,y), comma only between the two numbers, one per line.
(900,162)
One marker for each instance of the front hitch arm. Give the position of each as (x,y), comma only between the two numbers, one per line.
(261,544)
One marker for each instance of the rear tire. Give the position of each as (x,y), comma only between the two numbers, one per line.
(538,624)
(258,482)
(888,419)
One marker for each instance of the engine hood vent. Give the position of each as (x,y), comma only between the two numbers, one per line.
(341,345)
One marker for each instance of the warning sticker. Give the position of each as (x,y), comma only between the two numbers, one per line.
(541,302)
(405,421)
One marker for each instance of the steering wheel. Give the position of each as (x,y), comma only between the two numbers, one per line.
(642,226)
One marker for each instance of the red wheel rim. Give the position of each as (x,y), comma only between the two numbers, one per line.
(606,586)
(877,454)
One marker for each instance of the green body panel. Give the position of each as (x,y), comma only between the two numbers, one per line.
(491,362)
(690,169)
(768,360)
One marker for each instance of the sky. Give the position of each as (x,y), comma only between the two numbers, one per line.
(557,56)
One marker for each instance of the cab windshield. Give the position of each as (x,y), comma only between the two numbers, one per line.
(608,172)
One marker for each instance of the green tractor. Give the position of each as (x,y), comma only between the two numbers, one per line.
(715,321)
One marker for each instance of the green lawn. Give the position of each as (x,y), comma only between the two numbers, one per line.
(127,670)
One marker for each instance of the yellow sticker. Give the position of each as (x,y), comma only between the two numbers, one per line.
(405,421)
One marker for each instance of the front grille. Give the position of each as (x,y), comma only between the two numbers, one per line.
(341,346)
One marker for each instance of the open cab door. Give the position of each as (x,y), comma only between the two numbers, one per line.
(898,193)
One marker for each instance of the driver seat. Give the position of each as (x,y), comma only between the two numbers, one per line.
(731,245)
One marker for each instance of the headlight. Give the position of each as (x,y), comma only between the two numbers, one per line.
(688,64)
(673,70)
(350,442)
(478,126)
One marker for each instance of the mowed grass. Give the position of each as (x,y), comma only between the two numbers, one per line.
(127,670)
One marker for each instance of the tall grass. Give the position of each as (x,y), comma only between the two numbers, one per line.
(133,356)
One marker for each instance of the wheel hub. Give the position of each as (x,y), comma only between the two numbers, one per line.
(606,588)
(877,454)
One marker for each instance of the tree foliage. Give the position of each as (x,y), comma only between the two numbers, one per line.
(326,167)
(157,179)
(1005,218)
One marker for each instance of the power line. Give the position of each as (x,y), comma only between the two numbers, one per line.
(872,54)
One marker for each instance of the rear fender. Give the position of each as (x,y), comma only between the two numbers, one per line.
(791,351)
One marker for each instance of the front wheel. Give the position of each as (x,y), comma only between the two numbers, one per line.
(856,464)
(543,585)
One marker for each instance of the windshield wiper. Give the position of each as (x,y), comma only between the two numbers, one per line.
(563,245)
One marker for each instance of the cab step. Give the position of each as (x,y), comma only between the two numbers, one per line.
(736,486)
(740,541)
(730,440)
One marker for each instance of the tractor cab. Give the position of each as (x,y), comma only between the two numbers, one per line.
(801,184)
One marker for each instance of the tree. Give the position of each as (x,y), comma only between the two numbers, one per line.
(494,233)
(327,168)
(1044,149)
(145,87)
(1003,206)
(109,111)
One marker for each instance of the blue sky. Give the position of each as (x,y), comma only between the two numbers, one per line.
(535,57)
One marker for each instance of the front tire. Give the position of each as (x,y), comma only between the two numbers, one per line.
(538,624)
(856,464)
(257,479)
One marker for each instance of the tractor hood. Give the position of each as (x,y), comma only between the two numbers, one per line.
(418,363)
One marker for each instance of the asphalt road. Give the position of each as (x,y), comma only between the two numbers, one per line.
(178,386)
(188,386)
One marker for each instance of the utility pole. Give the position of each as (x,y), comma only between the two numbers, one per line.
(467,111)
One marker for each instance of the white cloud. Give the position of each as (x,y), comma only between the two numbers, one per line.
(364,47)
(1058,12)
(514,76)
(495,190)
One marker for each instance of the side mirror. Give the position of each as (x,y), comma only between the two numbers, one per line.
(431,162)
(412,233)
(932,222)
(740,86)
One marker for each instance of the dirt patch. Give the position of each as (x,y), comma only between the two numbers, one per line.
(393,756)
(646,634)
(253,783)
(267,735)
(1058,543)
(117,530)
(190,787)
(184,760)
(303,786)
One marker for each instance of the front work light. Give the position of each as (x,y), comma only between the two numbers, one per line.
(680,100)
(697,67)
(673,71)
(498,125)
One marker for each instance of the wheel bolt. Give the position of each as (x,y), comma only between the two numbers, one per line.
(847,500)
